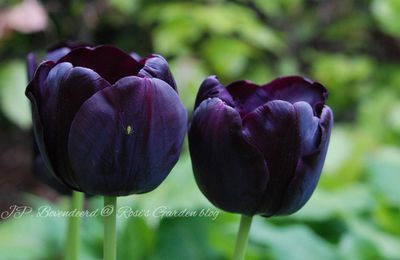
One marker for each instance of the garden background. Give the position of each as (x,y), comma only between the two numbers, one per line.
(351,46)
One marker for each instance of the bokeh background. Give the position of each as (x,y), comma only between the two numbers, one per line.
(351,46)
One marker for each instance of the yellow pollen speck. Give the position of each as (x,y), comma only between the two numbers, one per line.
(129,130)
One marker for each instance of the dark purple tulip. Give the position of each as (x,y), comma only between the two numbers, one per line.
(260,149)
(105,122)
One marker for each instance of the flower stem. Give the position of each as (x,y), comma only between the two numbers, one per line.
(110,223)
(74,227)
(242,237)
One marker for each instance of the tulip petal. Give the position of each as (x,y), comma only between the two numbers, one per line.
(243,95)
(210,88)
(309,128)
(64,91)
(109,62)
(157,67)
(126,139)
(31,65)
(274,130)
(34,93)
(229,171)
(309,168)
(294,89)
(56,54)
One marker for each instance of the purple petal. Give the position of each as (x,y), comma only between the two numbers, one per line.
(157,67)
(273,129)
(229,171)
(109,62)
(294,89)
(64,91)
(57,54)
(31,65)
(126,139)
(243,95)
(211,87)
(309,168)
(34,93)
(135,55)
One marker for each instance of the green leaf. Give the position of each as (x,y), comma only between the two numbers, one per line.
(387,13)
(228,56)
(13,103)
(291,242)
(387,245)
(384,167)
(185,238)
(136,240)
(325,204)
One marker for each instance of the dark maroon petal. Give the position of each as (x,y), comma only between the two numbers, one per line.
(243,95)
(31,65)
(109,62)
(274,130)
(64,91)
(309,167)
(294,89)
(126,139)
(211,87)
(229,171)
(156,66)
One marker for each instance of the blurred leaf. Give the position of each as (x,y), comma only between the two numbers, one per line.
(185,238)
(136,240)
(387,245)
(384,169)
(125,6)
(228,56)
(330,204)
(344,76)
(353,246)
(387,13)
(379,116)
(292,242)
(13,103)
(31,236)
(344,163)
(189,73)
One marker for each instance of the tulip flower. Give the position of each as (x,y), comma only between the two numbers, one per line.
(259,149)
(107,123)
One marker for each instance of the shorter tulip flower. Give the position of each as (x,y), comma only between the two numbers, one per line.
(259,149)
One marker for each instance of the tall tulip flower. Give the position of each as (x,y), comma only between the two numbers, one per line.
(106,123)
(259,149)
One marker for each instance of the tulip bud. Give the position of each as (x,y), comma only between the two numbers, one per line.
(106,123)
(259,149)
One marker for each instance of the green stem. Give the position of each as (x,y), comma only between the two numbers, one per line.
(74,227)
(110,223)
(242,237)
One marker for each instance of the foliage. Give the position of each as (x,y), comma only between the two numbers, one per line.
(350,46)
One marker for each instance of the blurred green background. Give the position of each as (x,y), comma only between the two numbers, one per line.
(351,46)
